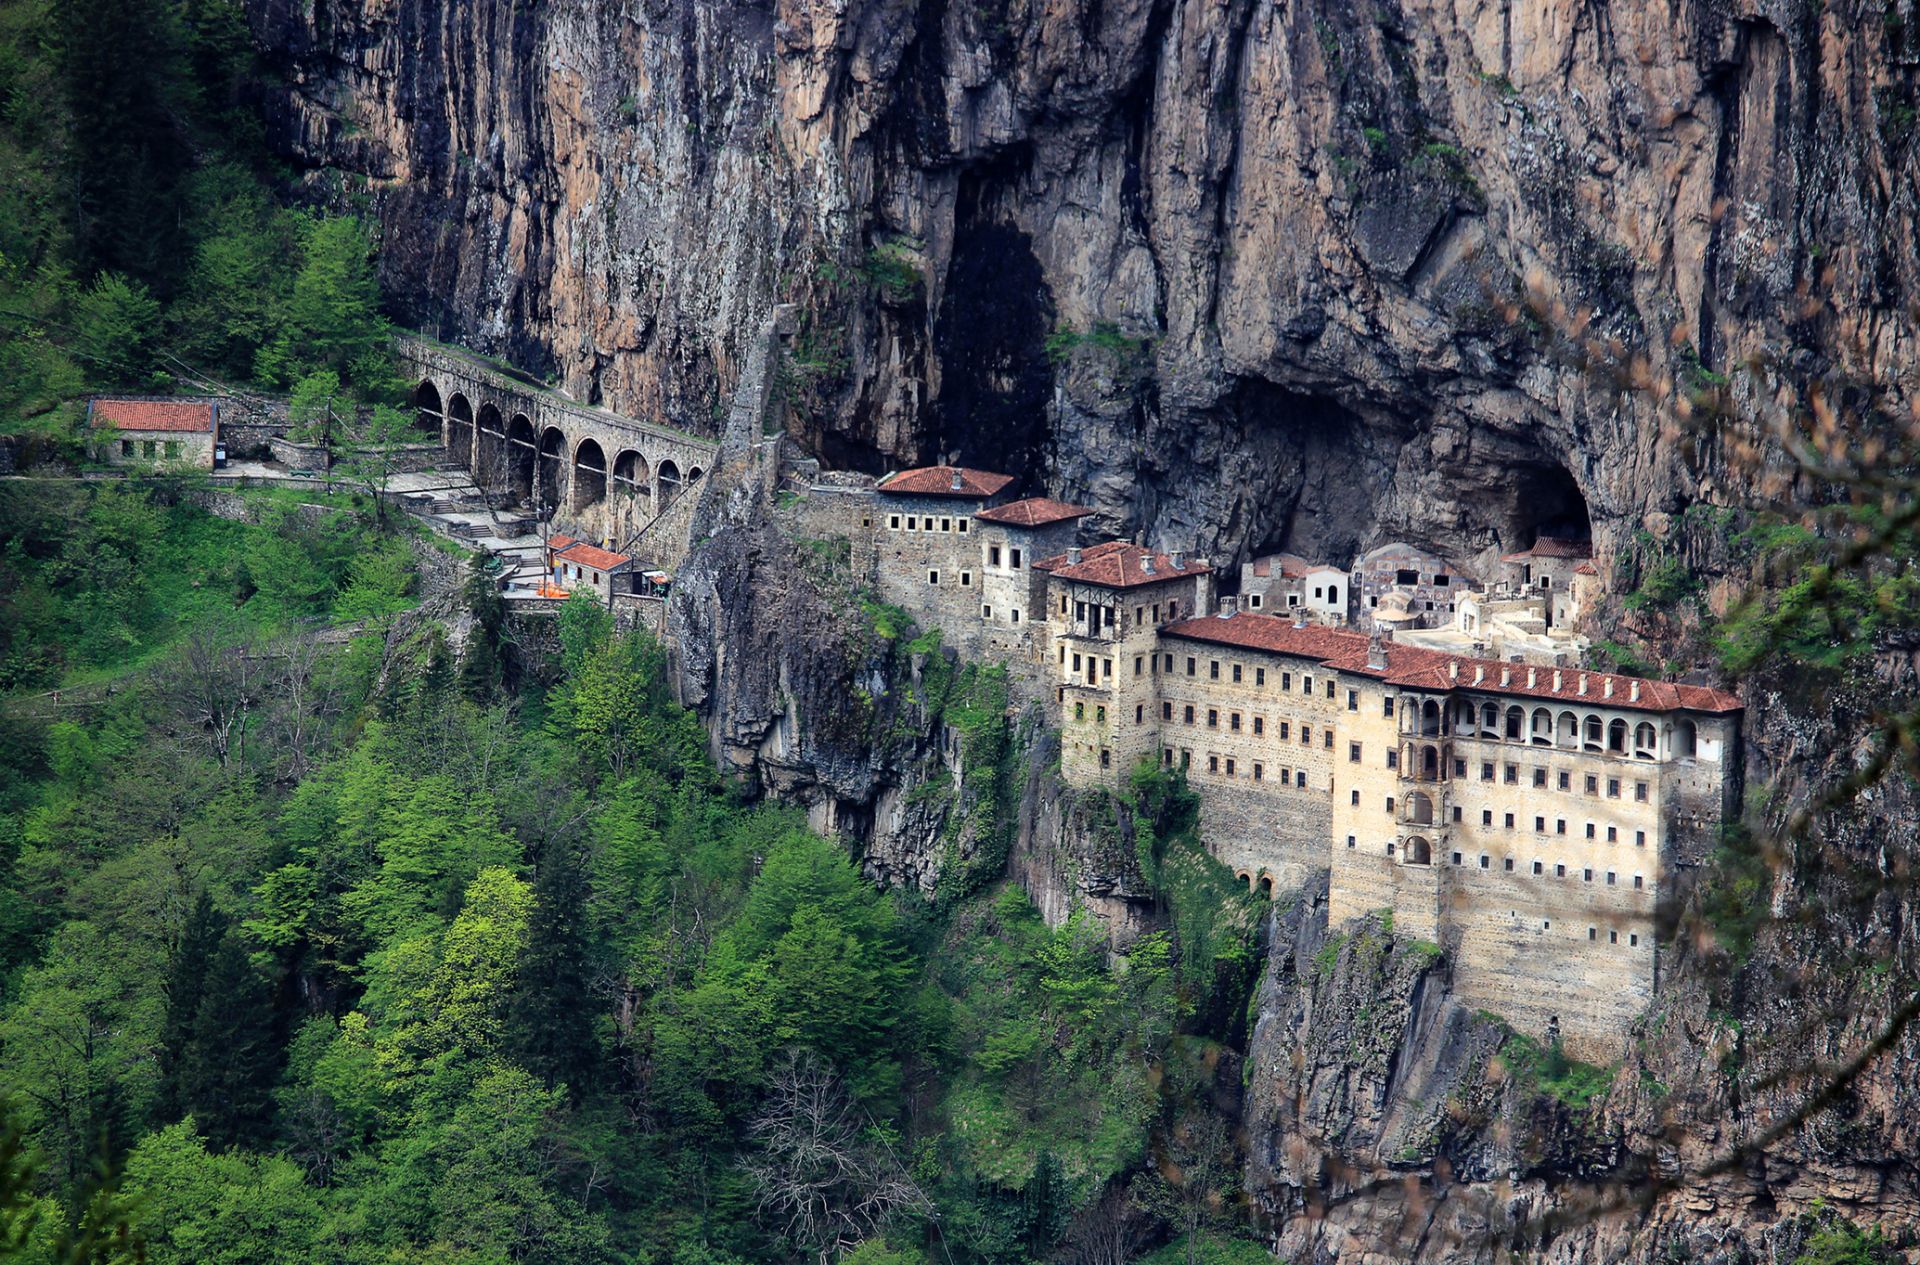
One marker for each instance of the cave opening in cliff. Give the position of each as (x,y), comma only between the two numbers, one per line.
(1547,502)
(990,335)
(1309,473)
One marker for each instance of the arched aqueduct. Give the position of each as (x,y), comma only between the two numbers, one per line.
(606,476)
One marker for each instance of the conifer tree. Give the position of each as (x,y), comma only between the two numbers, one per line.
(550,1029)
(231,1061)
(186,985)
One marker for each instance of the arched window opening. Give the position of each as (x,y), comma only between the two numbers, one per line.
(1644,740)
(1490,721)
(490,446)
(1419,851)
(553,459)
(522,452)
(693,475)
(1266,886)
(632,476)
(589,475)
(428,412)
(1617,736)
(1515,719)
(1420,809)
(1542,727)
(459,430)
(1593,733)
(1430,763)
(1568,734)
(670,482)
(1686,740)
(1429,719)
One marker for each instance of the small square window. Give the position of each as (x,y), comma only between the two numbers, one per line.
(1139,664)
(986,612)
(1213,669)
(1485,861)
(1540,778)
(1640,792)
(1610,878)
(1189,713)
(1353,752)
(1486,817)
(1509,822)
(1356,799)
(966,579)
(913,523)
(1639,838)
(1389,803)
(1166,711)
(1613,937)
(1456,858)
(1633,939)
(1486,771)
(1593,784)
(1509,865)
(1566,780)
(1540,825)
(1513,775)
(1229,766)
(1213,764)
(933,577)
(946,524)
(1613,788)
(1586,876)
(1353,700)
(1236,674)
(1350,841)
(1192,665)
(1306,735)
(1393,757)
(1259,676)
(1285,728)
(1259,771)
(1560,826)
(1213,718)
(1593,933)
(1259,725)
(1613,834)
(1590,830)
(1638,882)
(1233,722)
(1100,714)
(1388,706)
(1079,711)
(1536,867)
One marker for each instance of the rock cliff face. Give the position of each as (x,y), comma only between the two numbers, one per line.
(1239,273)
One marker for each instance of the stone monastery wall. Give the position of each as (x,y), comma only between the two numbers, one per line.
(1525,819)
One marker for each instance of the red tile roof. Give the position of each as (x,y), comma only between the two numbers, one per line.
(167,415)
(593,556)
(1416,667)
(1269,632)
(938,481)
(1035,511)
(1552,547)
(1288,566)
(1585,568)
(1118,564)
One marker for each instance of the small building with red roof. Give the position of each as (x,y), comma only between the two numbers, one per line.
(141,430)
(576,564)
(1012,539)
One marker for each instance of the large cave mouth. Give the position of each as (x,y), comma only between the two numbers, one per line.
(1547,502)
(991,335)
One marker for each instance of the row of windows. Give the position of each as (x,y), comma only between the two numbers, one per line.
(151,448)
(1189,715)
(1097,616)
(966,579)
(1228,766)
(1612,877)
(1563,780)
(917,522)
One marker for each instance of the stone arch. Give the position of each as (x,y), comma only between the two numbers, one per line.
(1644,740)
(1490,721)
(1568,733)
(490,446)
(522,454)
(1245,876)
(1420,809)
(429,413)
(1266,885)
(1419,851)
(1686,740)
(1429,763)
(460,429)
(1593,732)
(632,476)
(668,475)
(1429,719)
(589,474)
(1542,727)
(1515,720)
(552,471)
(693,475)
(1617,736)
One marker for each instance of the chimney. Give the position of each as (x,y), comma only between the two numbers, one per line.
(1178,559)
(1228,605)
(1146,564)
(1556,680)
(1453,669)
(1583,683)
(1633,692)
(1530,678)
(958,482)
(1376,651)
(1506,675)
(1073,553)
(1479,673)
(1607,688)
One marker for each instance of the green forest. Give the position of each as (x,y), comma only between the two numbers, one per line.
(147,241)
(326,940)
